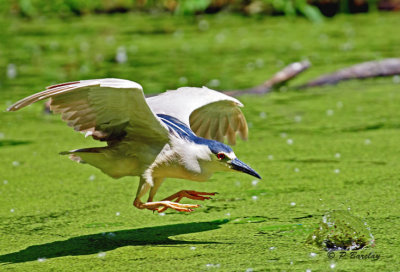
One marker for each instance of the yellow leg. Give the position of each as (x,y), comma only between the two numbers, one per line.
(159,206)
(168,202)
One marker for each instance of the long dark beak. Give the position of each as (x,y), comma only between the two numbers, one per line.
(242,167)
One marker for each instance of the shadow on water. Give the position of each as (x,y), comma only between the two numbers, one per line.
(101,242)
(12,142)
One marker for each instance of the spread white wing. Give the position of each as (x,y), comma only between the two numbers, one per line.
(108,109)
(210,114)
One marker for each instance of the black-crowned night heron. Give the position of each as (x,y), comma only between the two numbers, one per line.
(177,134)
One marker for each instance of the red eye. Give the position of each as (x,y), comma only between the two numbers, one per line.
(221,156)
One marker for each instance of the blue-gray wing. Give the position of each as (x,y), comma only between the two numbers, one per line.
(210,114)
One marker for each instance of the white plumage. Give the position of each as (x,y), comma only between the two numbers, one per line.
(168,135)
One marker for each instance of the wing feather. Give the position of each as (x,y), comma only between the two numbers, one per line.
(204,128)
(210,114)
(196,123)
(107,109)
(231,134)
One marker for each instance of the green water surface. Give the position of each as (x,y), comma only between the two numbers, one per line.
(318,150)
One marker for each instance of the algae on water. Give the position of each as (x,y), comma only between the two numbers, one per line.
(340,230)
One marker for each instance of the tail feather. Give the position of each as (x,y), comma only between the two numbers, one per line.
(114,166)
(76,157)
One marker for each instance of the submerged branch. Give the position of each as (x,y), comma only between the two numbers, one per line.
(280,78)
(386,67)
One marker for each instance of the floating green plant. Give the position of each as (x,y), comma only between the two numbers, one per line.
(340,230)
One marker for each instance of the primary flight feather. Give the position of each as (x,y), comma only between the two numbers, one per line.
(176,134)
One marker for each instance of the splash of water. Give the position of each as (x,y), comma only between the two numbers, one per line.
(340,230)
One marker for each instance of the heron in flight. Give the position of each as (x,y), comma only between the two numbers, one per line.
(176,134)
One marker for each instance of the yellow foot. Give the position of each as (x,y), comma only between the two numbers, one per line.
(188,194)
(161,206)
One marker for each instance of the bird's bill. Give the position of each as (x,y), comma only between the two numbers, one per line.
(238,165)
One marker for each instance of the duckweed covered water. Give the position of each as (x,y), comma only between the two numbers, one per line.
(317,150)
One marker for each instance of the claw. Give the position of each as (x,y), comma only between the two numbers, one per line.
(168,202)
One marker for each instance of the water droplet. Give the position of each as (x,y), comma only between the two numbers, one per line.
(111,234)
(84,46)
(161,214)
(249,270)
(54,45)
(332,266)
(297,118)
(193,248)
(336,171)
(178,34)
(297,170)
(121,56)
(12,210)
(213,83)
(92,177)
(263,115)
(15,163)
(84,69)
(323,38)
(99,57)
(5,181)
(272,248)
(346,46)
(110,39)
(292,203)
(297,46)
(117,213)
(337,155)
(339,104)
(228,214)
(183,80)
(255,198)
(11,71)
(250,66)
(255,182)
(203,25)
(283,135)
(270,157)
(329,112)
(259,63)
(289,141)
(367,141)
(101,254)
(308,270)
(312,254)
(220,37)
(213,265)
(40,260)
